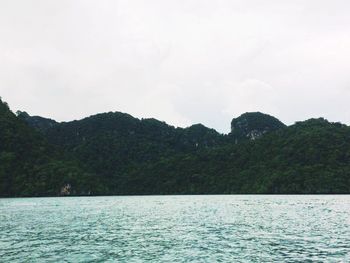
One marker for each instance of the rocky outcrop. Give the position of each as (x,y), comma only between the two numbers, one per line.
(66,190)
(253,125)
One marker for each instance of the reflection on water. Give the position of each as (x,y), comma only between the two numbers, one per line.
(176,229)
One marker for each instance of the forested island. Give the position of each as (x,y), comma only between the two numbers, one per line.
(116,154)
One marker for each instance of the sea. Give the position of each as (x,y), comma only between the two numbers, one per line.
(203,228)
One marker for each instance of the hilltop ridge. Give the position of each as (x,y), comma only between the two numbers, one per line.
(115,153)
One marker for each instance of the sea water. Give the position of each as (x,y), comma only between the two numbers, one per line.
(235,228)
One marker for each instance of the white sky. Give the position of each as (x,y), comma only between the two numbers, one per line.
(181,61)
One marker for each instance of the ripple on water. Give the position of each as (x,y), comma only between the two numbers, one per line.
(176,229)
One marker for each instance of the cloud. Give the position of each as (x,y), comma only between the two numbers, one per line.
(180,61)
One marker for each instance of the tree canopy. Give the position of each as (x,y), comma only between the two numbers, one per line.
(115,153)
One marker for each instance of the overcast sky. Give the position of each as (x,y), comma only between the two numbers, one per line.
(180,61)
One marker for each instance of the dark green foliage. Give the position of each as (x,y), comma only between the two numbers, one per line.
(39,123)
(308,157)
(252,125)
(114,153)
(111,142)
(29,166)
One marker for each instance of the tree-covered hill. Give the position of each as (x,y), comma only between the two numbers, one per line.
(115,153)
(37,122)
(308,157)
(30,166)
(252,125)
(110,142)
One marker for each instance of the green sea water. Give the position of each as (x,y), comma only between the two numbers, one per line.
(176,229)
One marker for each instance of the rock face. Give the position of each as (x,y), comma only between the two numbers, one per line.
(252,125)
(66,190)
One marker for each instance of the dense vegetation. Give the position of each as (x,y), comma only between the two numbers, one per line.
(308,157)
(115,153)
(252,125)
(30,166)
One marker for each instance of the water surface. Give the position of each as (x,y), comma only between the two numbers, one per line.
(176,229)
